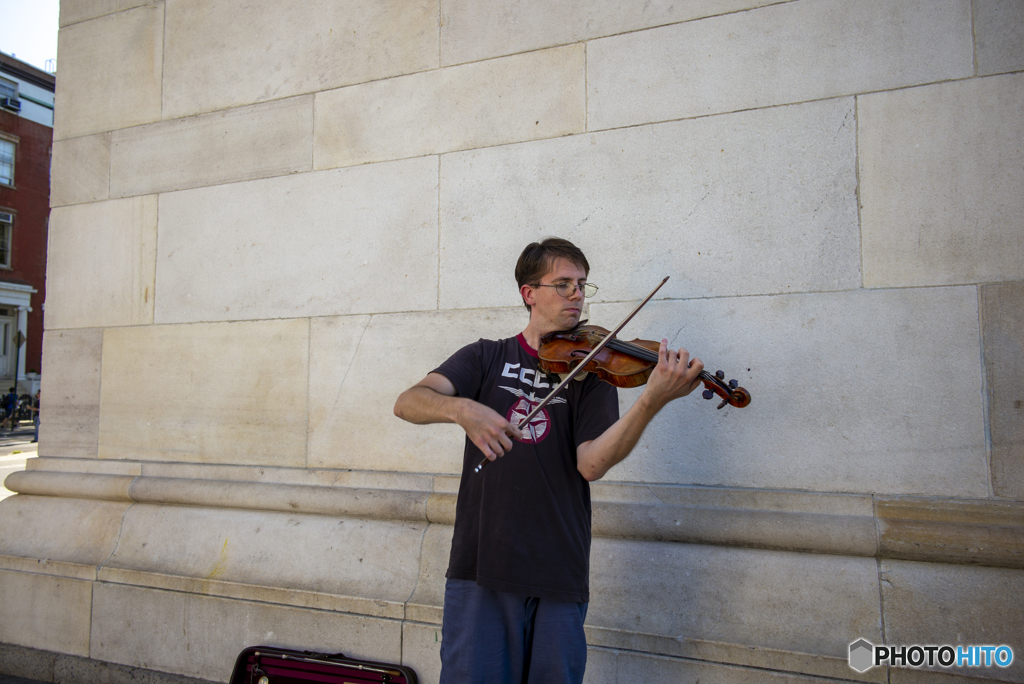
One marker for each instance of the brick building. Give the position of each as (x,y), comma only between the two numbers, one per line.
(26,136)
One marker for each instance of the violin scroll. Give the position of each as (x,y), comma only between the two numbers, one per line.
(731,393)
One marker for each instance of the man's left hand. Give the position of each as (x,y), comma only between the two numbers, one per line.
(675,376)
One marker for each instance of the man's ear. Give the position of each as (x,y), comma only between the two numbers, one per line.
(527,293)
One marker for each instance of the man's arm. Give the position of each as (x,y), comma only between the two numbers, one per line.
(675,376)
(433,400)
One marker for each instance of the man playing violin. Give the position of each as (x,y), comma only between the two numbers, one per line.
(518,576)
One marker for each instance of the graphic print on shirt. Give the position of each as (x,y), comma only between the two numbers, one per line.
(540,424)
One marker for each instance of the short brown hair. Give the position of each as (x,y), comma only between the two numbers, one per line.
(538,257)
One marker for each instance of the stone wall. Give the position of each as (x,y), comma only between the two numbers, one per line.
(267,222)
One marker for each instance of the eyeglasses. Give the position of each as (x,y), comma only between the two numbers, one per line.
(568,289)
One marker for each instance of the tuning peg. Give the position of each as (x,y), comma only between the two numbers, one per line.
(707,394)
(733,384)
(720,375)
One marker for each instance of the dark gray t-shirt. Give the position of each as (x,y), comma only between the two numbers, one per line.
(522,525)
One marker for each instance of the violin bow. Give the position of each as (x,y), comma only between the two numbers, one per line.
(578,367)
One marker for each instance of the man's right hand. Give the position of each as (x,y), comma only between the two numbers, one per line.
(487,429)
(433,400)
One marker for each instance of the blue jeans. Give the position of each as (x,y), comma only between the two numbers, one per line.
(492,637)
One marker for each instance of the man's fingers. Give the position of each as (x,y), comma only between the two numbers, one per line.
(505,442)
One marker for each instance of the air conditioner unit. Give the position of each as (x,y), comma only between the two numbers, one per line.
(11,103)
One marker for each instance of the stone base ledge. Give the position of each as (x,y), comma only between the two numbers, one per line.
(731,654)
(974,532)
(951,531)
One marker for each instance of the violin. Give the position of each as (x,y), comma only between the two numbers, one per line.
(621,363)
(629,363)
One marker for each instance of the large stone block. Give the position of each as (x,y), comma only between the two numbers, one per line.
(271,139)
(421,650)
(427,602)
(374,560)
(72,669)
(110,72)
(333,343)
(638,667)
(933,603)
(352,421)
(524,97)
(69,418)
(346,241)
(80,170)
(45,612)
(775,55)
(479,29)
(749,203)
(221,393)
(100,264)
(200,636)
(57,529)
(218,56)
(74,11)
(602,666)
(762,599)
(1002,321)
(862,391)
(941,168)
(999,35)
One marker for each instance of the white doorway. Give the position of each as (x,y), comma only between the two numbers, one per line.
(8,325)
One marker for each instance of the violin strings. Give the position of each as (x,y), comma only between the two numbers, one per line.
(648,355)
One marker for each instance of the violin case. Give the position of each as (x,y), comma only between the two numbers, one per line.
(269,665)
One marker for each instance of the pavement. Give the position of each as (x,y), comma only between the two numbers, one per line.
(11,679)
(15,446)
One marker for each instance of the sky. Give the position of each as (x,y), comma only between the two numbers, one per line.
(28,30)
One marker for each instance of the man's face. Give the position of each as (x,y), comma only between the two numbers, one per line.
(550,310)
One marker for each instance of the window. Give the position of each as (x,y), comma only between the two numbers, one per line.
(6,224)
(6,162)
(8,88)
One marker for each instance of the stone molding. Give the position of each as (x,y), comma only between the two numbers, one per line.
(946,530)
